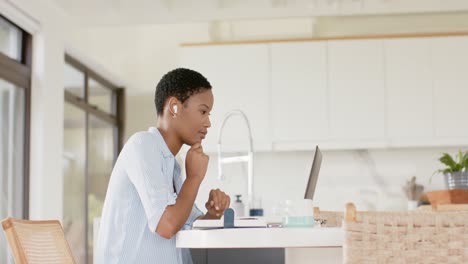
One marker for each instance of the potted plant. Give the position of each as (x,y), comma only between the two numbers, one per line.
(456,170)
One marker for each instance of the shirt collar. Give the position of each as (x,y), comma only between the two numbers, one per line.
(164,148)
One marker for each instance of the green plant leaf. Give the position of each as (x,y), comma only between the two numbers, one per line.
(448,160)
(465,160)
(447,171)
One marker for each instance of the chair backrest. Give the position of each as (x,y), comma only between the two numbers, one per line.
(328,218)
(405,237)
(37,241)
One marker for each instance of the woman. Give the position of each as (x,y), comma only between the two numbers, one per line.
(147,202)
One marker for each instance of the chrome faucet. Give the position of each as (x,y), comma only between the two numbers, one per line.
(248,158)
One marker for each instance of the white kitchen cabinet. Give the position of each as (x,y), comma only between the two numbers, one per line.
(299,92)
(240,77)
(450,65)
(356,91)
(409,96)
(340,94)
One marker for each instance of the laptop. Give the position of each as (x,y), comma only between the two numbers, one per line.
(314,173)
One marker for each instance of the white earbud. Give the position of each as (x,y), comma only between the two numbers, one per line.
(174,107)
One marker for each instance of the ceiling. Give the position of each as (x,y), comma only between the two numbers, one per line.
(134,12)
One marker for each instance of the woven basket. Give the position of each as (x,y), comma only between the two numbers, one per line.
(405,237)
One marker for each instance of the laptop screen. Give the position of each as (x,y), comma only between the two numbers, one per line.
(314,173)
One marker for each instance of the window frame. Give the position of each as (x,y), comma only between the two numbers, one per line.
(82,103)
(19,74)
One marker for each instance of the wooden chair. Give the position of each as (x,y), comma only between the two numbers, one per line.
(37,241)
(405,237)
(328,218)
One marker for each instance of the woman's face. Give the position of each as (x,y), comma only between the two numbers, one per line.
(194,118)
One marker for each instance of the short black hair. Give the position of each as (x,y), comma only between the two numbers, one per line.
(180,83)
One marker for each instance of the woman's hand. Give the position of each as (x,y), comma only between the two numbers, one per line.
(217,203)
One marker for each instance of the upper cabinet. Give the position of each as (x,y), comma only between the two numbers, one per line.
(299,92)
(356,88)
(450,66)
(409,93)
(339,94)
(239,75)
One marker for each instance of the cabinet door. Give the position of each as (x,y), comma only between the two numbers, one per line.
(239,75)
(450,66)
(356,86)
(299,91)
(409,91)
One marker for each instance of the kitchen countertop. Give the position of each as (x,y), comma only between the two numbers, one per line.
(261,238)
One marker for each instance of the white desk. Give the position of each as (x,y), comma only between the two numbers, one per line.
(303,245)
(260,238)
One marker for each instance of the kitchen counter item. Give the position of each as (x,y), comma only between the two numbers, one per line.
(456,196)
(299,213)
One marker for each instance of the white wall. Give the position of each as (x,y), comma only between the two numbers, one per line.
(143,108)
(47,25)
(372,179)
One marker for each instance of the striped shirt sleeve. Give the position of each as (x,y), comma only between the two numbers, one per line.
(194,214)
(154,190)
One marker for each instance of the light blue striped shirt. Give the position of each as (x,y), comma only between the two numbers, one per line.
(141,186)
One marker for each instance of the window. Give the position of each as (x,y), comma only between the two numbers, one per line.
(15,85)
(11,40)
(93,130)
